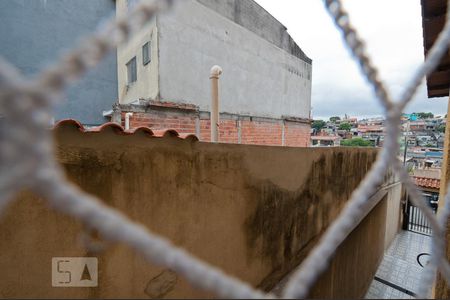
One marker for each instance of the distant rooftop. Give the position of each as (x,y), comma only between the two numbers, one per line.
(370,128)
(428,173)
(427,178)
(325,138)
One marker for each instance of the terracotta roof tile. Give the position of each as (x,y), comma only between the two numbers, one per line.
(110,125)
(165,133)
(427,182)
(144,129)
(118,129)
(71,122)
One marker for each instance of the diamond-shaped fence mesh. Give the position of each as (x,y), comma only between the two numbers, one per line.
(27,159)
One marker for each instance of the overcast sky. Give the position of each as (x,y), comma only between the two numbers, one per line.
(393,34)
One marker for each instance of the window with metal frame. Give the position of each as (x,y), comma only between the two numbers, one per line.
(146,55)
(131,70)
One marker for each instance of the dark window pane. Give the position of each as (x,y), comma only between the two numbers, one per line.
(131,70)
(146,53)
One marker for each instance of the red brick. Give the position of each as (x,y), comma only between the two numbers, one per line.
(252,132)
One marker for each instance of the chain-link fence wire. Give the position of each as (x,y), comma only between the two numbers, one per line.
(27,159)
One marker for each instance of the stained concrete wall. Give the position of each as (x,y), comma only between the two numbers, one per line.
(34,33)
(259,79)
(253,211)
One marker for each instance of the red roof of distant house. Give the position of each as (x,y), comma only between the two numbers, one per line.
(120,130)
(417,123)
(370,128)
(425,182)
(325,137)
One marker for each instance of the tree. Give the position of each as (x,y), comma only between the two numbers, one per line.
(318,125)
(345,126)
(356,142)
(334,119)
(441,128)
(424,115)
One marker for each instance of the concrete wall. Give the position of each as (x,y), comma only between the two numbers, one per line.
(147,84)
(34,33)
(265,73)
(356,260)
(259,78)
(253,211)
(253,17)
(394,212)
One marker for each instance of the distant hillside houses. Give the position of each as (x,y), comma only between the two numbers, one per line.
(417,131)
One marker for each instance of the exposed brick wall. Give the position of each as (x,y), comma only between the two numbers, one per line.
(297,134)
(232,129)
(262,133)
(182,123)
(228,131)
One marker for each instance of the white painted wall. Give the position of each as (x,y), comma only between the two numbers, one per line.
(146,86)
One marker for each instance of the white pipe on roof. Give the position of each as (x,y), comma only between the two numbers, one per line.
(127,120)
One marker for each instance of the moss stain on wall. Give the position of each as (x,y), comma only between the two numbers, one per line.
(280,215)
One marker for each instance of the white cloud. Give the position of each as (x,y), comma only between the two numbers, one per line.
(393,34)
